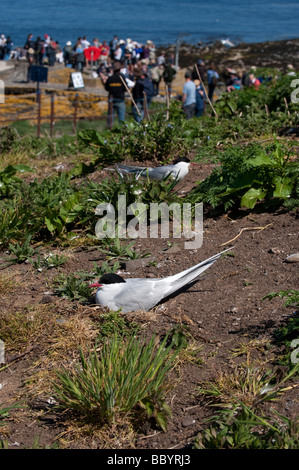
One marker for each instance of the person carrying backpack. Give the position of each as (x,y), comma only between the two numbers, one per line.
(168,76)
(212,77)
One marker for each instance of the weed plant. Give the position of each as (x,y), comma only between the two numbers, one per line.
(248,175)
(120,381)
(244,429)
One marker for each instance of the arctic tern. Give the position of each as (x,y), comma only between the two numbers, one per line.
(129,295)
(178,170)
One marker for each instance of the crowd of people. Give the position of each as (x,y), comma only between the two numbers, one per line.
(124,66)
(128,66)
(200,84)
(6,47)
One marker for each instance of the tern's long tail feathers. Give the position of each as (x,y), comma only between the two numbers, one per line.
(185,277)
(130,169)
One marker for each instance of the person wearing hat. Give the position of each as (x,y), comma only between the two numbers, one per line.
(116,90)
(189,96)
(2,45)
(68,53)
(137,93)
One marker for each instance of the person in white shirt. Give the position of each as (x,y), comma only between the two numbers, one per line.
(85,43)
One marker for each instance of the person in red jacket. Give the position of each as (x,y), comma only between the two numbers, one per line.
(254,82)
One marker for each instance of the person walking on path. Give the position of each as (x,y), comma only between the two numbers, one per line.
(189,96)
(137,93)
(168,76)
(116,89)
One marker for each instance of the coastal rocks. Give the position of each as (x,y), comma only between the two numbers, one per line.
(273,54)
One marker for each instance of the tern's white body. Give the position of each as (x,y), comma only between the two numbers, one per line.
(178,170)
(144,294)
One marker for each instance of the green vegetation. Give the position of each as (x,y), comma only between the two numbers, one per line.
(243,429)
(250,174)
(49,193)
(120,380)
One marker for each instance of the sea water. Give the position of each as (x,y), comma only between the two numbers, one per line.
(162,21)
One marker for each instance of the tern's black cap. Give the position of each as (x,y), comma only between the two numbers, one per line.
(111,278)
(182,159)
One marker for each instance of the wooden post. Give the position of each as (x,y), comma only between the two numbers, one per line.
(205,91)
(38,112)
(167,102)
(75,113)
(146,113)
(110,113)
(91,61)
(132,99)
(52,115)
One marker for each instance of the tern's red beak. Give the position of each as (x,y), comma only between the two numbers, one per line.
(95,284)
(193,163)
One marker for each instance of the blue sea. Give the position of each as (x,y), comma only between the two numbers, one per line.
(162,21)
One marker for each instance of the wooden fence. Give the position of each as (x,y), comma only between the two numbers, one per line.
(34,112)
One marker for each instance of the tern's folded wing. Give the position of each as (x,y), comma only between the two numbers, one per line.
(141,294)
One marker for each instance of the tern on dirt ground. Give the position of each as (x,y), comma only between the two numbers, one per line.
(178,170)
(129,295)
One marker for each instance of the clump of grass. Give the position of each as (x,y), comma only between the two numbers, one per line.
(244,429)
(6,284)
(73,332)
(249,385)
(122,380)
(4,412)
(181,339)
(114,322)
(22,328)
(63,335)
(251,347)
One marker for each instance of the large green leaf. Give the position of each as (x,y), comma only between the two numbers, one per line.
(283,187)
(91,136)
(244,180)
(259,160)
(251,197)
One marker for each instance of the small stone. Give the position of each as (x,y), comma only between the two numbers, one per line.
(174,249)
(188,422)
(133,264)
(274,251)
